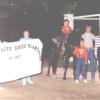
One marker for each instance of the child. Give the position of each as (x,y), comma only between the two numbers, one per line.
(81,54)
(66,29)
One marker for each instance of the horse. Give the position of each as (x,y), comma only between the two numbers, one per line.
(53,56)
(64,49)
(57,50)
(69,44)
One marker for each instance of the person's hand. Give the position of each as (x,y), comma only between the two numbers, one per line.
(86,62)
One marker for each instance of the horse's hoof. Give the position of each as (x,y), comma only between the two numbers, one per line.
(64,78)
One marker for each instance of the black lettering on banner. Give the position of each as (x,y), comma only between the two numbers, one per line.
(35,48)
(14,57)
(18,47)
(6,48)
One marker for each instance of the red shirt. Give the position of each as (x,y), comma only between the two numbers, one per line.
(66,30)
(80,52)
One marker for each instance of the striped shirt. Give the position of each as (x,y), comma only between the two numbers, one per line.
(97,44)
(88,39)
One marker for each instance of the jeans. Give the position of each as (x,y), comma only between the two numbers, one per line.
(91,59)
(80,64)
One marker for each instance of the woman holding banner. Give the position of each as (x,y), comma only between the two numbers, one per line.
(26,37)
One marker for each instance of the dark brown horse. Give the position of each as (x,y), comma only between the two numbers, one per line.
(58,50)
(53,56)
(64,49)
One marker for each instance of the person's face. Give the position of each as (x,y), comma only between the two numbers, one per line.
(88,29)
(81,43)
(66,23)
(26,34)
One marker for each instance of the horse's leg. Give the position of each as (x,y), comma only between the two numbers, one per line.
(55,61)
(66,67)
(65,71)
(74,66)
(54,67)
(50,61)
(48,72)
(49,66)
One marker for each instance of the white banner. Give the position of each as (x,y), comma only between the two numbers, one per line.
(20,59)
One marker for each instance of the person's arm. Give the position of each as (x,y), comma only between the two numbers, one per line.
(94,41)
(94,37)
(86,56)
(75,52)
(95,48)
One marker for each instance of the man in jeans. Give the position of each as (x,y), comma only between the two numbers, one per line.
(89,38)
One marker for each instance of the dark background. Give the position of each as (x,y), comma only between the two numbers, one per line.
(44,18)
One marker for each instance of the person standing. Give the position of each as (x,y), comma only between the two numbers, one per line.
(26,37)
(97,50)
(89,39)
(74,39)
(81,53)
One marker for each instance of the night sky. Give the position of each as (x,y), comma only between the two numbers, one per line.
(86,7)
(43,18)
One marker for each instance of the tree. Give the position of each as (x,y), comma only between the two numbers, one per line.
(70,6)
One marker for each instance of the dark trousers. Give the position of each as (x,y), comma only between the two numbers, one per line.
(66,65)
(74,66)
(99,66)
(98,55)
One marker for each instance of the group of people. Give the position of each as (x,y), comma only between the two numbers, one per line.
(87,50)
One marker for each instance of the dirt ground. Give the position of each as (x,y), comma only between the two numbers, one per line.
(49,88)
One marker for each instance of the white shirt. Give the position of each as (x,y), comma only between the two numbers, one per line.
(88,39)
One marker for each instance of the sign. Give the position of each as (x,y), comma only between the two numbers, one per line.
(20,59)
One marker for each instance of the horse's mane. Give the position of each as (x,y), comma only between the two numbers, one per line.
(74,38)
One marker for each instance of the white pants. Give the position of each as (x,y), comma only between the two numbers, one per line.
(26,80)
